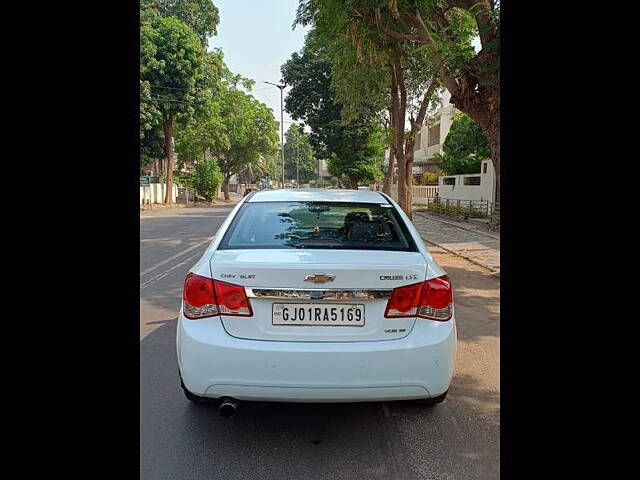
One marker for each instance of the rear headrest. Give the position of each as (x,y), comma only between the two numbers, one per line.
(364,231)
(356,216)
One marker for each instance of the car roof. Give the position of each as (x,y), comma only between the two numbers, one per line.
(317,195)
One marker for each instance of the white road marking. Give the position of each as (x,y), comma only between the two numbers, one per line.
(161,275)
(173,257)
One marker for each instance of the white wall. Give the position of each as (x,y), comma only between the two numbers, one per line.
(155,193)
(445,119)
(421,193)
(483,192)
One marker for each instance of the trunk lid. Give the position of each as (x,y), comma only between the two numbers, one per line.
(277,276)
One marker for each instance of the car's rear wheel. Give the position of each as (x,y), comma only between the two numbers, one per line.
(427,402)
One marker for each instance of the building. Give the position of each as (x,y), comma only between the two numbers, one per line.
(321,168)
(431,137)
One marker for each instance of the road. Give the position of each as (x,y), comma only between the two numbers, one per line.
(457,439)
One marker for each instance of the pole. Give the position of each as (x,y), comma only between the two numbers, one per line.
(281,87)
(297,165)
(282,130)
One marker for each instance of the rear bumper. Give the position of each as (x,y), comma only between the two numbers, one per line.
(214,364)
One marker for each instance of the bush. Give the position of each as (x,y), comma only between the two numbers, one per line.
(427,178)
(206,179)
(454,211)
(183,179)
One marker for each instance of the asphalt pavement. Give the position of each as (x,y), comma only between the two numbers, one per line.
(457,439)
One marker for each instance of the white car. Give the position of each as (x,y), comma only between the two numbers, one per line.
(315,295)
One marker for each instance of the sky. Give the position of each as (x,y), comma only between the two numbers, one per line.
(256,38)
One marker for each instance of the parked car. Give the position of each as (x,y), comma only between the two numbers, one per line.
(316,296)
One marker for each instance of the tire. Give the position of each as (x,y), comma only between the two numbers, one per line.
(193,397)
(428,402)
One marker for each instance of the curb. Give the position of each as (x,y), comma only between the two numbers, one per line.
(490,235)
(495,273)
(176,206)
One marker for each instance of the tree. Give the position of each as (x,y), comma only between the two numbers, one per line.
(251,133)
(343,143)
(397,79)
(446,28)
(299,157)
(170,61)
(361,163)
(201,16)
(273,165)
(151,146)
(226,124)
(207,179)
(465,147)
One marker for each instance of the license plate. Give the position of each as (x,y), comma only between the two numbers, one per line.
(338,314)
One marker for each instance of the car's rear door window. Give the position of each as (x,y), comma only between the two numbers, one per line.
(339,225)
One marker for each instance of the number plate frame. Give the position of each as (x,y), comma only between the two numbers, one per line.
(278,321)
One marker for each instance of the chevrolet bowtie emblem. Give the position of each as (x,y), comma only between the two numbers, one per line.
(319,278)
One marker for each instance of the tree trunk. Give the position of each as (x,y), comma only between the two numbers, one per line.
(409,182)
(484,109)
(494,147)
(399,102)
(476,92)
(388,177)
(168,141)
(225,186)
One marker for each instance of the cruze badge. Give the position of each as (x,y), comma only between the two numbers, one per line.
(319,278)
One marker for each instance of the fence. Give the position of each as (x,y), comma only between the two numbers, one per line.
(155,193)
(477,186)
(422,194)
(465,208)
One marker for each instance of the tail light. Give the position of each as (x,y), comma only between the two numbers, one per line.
(204,297)
(432,299)
(232,300)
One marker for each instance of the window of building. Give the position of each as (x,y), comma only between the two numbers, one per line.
(434,135)
(449,181)
(471,181)
(484,167)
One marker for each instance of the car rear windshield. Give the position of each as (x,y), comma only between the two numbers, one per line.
(338,225)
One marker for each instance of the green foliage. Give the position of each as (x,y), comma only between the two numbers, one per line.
(452,210)
(249,131)
(202,16)
(181,179)
(207,178)
(151,145)
(362,157)
(298,154)
(464,148)
(225,123)
(431,38)
(427,178)
(353,148)
(361,52)
(208,87)
(170,63)
(201,134)
(150,116)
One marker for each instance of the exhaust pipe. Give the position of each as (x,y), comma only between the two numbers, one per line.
(228,407)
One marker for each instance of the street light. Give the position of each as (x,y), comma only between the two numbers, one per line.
(281,87)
